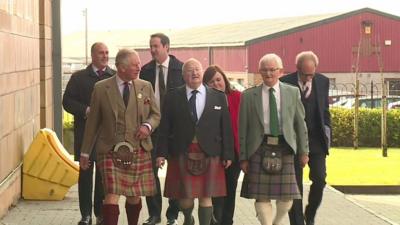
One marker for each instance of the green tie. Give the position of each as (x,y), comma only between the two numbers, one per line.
(273,114)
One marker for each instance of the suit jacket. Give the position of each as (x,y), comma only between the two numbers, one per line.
(321,88)
(213,130)
(77,98)
(251,120)
(174,79)
(111,122)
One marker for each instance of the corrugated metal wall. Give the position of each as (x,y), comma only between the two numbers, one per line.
(333,43)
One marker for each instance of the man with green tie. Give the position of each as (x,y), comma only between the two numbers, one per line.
(271,130)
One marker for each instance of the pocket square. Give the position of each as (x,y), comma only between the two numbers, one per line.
(217,107)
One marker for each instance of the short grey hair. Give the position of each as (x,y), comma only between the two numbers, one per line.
(271,57)
(190,61)
(123,56)
(306,55)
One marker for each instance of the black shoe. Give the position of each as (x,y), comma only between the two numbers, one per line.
(307,218)
(152,220)
(86,220)
(99,220)
(172,222)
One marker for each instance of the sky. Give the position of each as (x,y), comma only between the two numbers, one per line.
(106,15)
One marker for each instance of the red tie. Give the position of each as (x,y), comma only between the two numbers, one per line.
(100,73)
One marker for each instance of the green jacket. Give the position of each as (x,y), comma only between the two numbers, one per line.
(251,125)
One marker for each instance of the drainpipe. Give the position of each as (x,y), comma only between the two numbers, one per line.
(57,67)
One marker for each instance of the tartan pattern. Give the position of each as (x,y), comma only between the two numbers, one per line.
(257,184)
(137,181)
(179,183)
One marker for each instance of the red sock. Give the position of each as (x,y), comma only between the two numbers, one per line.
(110,214)
(132,212)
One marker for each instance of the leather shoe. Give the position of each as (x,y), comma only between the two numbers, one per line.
(86,220)
(308,220)
(99,220)
(152,220)
(172,222)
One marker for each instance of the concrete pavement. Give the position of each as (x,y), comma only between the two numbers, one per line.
(336,209)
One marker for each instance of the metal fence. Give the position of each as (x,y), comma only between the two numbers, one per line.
(370,94)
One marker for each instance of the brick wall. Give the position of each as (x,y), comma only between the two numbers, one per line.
(25,86)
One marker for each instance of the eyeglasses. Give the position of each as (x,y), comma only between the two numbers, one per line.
(270,70)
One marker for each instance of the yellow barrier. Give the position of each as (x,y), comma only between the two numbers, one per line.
(48,169)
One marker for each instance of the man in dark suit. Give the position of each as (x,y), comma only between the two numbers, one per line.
(196,138)
(76,101)
(314,88)
(164,72)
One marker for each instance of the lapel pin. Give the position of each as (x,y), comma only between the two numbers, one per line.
(217,107)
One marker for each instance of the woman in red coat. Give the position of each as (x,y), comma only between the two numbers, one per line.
(224,207)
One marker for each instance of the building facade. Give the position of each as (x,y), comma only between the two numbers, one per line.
(26,86)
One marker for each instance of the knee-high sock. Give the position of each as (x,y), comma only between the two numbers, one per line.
(132,212)
(110,214)
(205,215)
(264,212)
(188,216)
(282,208)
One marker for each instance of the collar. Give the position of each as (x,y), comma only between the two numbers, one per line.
(95,68)
(276,87)
(164,64)
(201,89)
(301,83)
(121,82)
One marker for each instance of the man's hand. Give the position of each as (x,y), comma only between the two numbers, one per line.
(87,111)
(143,132)
(303,160)
(227,163)
(84,162)
(244,165)
(160,161)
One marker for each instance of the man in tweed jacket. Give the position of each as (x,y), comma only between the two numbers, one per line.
(123,110)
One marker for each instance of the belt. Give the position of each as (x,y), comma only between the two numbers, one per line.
(281,139)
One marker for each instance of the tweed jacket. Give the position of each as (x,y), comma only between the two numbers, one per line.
(111,122)
(251,125)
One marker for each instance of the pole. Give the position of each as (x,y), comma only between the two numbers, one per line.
(85,13)
(356,112)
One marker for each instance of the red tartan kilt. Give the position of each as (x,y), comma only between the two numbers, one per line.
(180,184)
(136,181)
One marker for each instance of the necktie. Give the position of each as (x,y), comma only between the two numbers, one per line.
(125,93)
(100,73)
(192,105)
(161,84)
(273,114)
(305,93)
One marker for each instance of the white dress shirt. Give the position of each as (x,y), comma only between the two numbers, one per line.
(164,65)
(200,98)
(121,85)
(95,69)
(303,86)
(265,103)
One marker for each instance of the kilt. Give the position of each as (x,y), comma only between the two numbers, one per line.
(257,184)
(179,183)
(136,181)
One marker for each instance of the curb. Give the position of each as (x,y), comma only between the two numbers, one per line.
(349,198)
